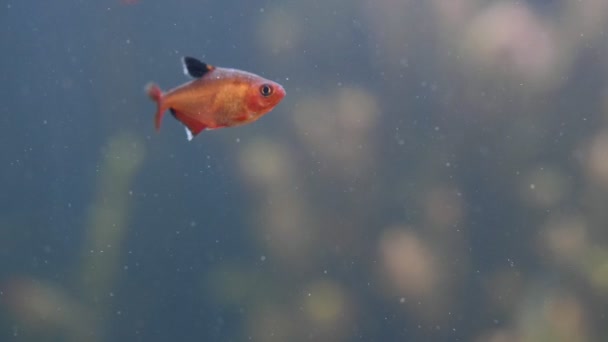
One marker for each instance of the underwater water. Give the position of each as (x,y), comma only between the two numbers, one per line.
(438,171)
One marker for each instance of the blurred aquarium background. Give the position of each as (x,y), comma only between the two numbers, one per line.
(437,172)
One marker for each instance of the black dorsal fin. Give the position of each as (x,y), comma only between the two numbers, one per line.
(195,68)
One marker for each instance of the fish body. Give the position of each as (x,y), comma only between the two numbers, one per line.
(216,98)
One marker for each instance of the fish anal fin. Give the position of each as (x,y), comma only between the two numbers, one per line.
(193,126)
(195,68)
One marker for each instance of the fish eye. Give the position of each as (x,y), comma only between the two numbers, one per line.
(266,90)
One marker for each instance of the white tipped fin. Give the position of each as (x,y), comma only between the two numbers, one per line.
(185,68)
(189,135)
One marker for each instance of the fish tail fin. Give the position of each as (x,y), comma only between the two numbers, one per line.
(157,96)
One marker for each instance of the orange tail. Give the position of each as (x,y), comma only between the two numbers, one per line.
(157,95)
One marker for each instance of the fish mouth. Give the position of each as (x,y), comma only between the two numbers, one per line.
(280,91)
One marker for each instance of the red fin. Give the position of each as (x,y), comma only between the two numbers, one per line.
(157,95)
(194,126)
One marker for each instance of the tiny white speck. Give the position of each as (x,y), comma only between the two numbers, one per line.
(532,186)
(402,300)
(263,258)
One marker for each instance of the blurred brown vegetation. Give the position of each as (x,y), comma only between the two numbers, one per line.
(513,164)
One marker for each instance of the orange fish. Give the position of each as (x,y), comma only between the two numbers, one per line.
(217,97)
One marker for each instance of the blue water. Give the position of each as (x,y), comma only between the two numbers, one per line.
(437,172)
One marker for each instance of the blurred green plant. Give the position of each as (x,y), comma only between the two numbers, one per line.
(47,309)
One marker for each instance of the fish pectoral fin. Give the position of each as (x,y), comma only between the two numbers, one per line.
(193,126)
(195,68)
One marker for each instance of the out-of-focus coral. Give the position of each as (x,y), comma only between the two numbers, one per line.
(47,309)
(597,267)
(108,220)
(503,290)
(499,335)
(270,322)
(393,29)
(328,310)
(409,263)
(597,159)
(508,40)
(422,272)
(231,284)
(282,214)
(39,304)
(444,207)
(563,240)
(454,14)
(584,22)
(339,128)
(278,32)
(544,186)
(265,162)
(552,315)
